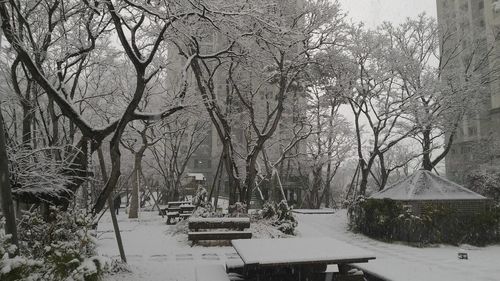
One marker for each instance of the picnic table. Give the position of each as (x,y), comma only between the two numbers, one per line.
(305,255)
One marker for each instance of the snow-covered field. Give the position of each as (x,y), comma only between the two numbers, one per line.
(403,263)
(155,252)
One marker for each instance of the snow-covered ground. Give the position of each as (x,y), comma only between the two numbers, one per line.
(404,263)
(155,252)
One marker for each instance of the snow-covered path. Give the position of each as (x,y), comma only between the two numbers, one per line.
(404,263)
(154,253)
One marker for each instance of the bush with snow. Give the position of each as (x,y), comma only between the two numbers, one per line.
(200,198)
(280,215)
(391,220)
(62,248)
(238,209)
(40,171)
(485,182)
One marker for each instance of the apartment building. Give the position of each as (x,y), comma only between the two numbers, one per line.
(477,142)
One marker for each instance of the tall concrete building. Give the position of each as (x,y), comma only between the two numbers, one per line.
(477,142)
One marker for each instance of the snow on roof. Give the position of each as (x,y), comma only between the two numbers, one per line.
(424,185)
(197,176)
(33,195)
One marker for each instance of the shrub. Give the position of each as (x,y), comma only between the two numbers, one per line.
(485,182)
(238,209)
(60,249)
(390,220)
(281,216)
(268,210)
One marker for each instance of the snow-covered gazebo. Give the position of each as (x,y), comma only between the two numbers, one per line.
(424,188)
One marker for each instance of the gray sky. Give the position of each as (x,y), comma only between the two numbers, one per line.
(374,12)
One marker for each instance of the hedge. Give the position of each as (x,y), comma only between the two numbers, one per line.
(391,220)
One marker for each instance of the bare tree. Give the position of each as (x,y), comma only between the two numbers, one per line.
(138,154)
(178,139)
(376,100)
(256,43)
(330,143)
(20,34)
(445,72)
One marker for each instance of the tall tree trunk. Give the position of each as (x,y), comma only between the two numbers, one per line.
(251,176)
(116,228)
(328,181)
(233,181)
(426,150)
(365,173)
(5,192)
(28,112)
(134,198)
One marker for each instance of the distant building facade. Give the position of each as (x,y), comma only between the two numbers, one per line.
(477,141)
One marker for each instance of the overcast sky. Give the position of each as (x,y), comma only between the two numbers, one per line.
(374,12)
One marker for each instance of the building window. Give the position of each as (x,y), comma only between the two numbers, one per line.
(472,131)
(481,4)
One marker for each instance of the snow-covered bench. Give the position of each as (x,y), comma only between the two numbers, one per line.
(233,229)
(178,209)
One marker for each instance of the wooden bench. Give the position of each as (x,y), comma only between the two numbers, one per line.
(236,225)
(171,216)
(178,209)
(219,235)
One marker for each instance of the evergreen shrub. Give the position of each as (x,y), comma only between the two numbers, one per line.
(62,248)
(391,220)
(281,216)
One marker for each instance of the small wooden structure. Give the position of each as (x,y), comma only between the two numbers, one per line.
(424,188)
(230,228)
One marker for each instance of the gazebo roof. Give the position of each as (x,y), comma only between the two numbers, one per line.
(32,195)
(424,185)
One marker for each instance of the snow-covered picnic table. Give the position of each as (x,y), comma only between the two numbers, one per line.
(315,253)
